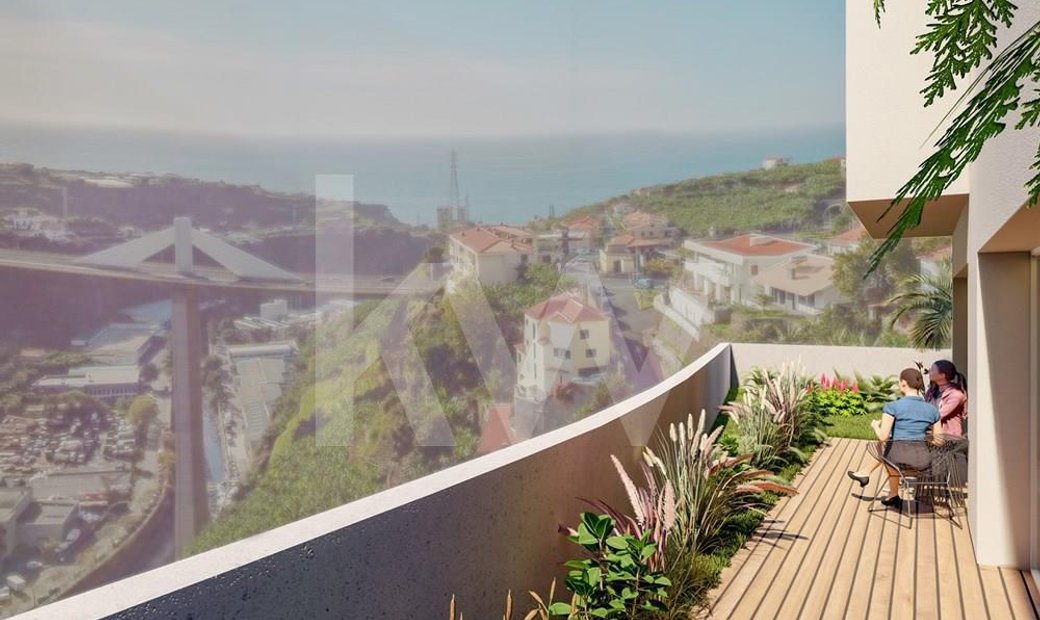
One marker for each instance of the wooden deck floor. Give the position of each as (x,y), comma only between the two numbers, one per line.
(825,554)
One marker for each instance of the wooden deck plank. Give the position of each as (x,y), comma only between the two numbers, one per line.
(836,566)
(745,566)
(814,572)
(993,590)
(904,565)
(1018,595)
(1034,591)
(924,598)
(796,534)
(853,599)
(880,603)
(853,559)
(950,605)
(972,599)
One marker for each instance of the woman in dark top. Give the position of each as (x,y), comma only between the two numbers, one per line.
(903,428)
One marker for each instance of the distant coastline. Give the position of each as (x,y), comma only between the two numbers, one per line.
(506,179)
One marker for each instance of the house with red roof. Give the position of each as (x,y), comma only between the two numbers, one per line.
(565,337)
(626,254)
(491,254)
(644,225)
(497,429)
(847,241)
(722,270)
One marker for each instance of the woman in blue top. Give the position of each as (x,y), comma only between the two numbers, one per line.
(904,426)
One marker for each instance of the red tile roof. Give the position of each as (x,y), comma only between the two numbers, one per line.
(482,239)
(642,218)
(497,431)
(753,244)
(588,223)
(850,237)
(565,308)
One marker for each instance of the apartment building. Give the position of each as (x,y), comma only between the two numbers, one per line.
(996,262)
(491,254)
(565,336)
(721,270)
(801,284)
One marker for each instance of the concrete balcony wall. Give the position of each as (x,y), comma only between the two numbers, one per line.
(476,530)
(819,359)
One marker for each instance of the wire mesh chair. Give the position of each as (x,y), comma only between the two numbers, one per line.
(926,468)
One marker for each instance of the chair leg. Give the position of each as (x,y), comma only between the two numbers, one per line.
(883,480)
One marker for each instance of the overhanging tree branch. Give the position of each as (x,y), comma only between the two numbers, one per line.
(992,96)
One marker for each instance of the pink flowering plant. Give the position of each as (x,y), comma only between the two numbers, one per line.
(837,396)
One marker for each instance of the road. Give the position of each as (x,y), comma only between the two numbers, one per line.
(163,273)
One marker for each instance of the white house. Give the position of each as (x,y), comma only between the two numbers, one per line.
(565,337)
(775,162)
(491,254)
(553,247)
(722,270)
(800,284)
(643,225)
(847,241)
(626,254)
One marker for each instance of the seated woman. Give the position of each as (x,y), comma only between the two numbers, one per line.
(948,392)
(904,426)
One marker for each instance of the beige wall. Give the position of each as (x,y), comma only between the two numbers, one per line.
(887,128)
(819,359)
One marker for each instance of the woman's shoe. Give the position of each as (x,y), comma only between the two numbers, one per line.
(862,480)
(893,502)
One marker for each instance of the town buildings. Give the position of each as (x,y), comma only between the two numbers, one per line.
(108,383)
(847,241)
(491,254)
(258,374)
(801,284)
(644,225)
(627,254)
(722,270)
(565,337)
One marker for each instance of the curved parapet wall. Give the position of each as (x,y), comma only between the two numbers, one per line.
(475,530)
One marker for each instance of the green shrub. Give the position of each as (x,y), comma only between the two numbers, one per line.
(837,397)
(616,581)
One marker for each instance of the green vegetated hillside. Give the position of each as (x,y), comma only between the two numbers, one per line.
(788,198)
(365,444)
(324,450)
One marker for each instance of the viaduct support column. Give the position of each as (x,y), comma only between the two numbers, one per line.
(191,505)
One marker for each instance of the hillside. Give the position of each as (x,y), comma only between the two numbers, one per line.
(151,201)
(784,199)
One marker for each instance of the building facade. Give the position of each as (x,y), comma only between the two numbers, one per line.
(801,284)
(490,254)
(996,262)
(565,337)
(722,270)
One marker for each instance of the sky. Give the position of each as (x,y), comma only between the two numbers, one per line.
(423,68)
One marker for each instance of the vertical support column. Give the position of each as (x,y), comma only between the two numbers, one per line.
(182,247)
(191,507)
(960,323)
(999,378)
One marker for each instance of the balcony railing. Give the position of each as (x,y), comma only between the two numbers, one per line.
(476,530)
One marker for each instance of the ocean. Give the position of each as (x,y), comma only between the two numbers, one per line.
(506,179)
